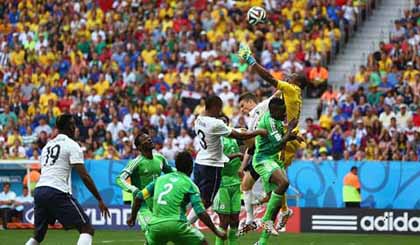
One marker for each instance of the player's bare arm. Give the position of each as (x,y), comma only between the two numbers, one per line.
(244,135)
(134,210)
(87,180)
(236,155)
(205,218)
(245,54)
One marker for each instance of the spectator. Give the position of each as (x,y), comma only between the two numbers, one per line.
(337,138)
(319,79)
(114,127)
(20,202)
(385,117)
(7,199)
(403,117)
(351,189)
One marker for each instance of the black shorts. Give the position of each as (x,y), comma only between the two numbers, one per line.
(52,204)
(208,179)
(251,170)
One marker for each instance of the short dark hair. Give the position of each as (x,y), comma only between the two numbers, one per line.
(213,101)
(275,102)
(63,121)
(184,162)
(301,78)
(247,97)
(353,168)
(6,183)
(137,140)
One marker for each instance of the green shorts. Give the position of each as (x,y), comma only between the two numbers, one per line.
(177,232)
(265,169)
(144,216)
(228,200)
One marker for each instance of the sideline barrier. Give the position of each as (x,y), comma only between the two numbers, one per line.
(386,185)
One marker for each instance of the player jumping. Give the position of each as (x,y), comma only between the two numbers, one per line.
(267,163)
(210,159)
(143,170)
(53,199)
(227,203)
(292,95)
(171,194)
(248,105)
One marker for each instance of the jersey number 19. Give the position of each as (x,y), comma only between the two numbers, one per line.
(53,153)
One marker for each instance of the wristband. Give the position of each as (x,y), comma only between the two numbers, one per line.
(251,60)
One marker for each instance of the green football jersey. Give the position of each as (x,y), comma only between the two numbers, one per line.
(269,147)
(142,171)
(171,194)
(230,171)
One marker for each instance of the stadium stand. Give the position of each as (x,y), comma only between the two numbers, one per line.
(124,65)
(375,116)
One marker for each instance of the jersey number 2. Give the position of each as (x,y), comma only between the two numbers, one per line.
(168,188)
(52,152)
(203,142)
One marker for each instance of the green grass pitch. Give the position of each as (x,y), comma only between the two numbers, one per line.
(55,237)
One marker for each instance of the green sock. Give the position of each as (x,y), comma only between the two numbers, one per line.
(218,240)
(263,238)
(272,206)
(232,238)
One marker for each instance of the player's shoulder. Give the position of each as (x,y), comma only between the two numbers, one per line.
(64,141)
(158,155)
(208,122)
(136,160)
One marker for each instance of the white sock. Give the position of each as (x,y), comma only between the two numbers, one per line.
(85,239)
(248,197)
(32,241)
(192,217)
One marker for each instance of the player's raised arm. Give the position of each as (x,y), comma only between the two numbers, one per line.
(245,54)
(87,180)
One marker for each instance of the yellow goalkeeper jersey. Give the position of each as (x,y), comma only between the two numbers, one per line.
(292,95)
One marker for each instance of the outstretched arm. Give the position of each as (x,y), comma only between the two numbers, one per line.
(244,135)
(264,74)
(245,54)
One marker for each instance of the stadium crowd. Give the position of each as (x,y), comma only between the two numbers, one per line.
(376,115)
(125,65)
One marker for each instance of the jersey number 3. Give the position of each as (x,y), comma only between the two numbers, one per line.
(52,154)
(168,188)
(203,142)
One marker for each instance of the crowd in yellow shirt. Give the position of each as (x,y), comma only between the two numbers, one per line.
(101,59)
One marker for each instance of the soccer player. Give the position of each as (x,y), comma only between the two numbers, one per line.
(227,203)
(267,163)
(142,170)
(171,195)
(248,105)
(210,159)
(53,199)
(292,94)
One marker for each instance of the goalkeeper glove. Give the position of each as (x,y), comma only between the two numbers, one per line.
(246,54)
